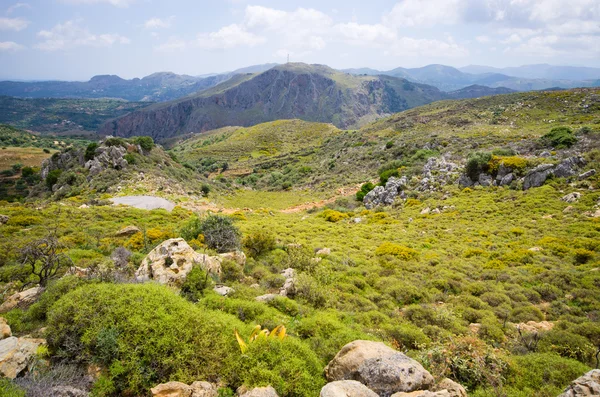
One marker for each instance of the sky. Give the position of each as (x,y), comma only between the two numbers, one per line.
(77,39)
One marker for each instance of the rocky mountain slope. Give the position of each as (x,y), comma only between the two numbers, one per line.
(308,92)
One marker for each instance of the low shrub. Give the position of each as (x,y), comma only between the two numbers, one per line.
(196,284)
(396,250)
(333,216)
(9,389)
(567,344)
(559,137)
(364,190)
(477,163)
(259,242)
(145,142)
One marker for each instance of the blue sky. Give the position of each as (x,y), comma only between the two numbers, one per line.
(76,39)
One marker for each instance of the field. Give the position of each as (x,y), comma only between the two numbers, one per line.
(27,156)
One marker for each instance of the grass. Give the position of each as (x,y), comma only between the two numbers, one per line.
(27,156)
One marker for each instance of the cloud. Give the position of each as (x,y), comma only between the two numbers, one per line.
(483,39)
(116,3)
(16,24)
(424,13)
(173,44)
(71,34)
(16,6)
(230,36)
(10,46)
(550,46)
(157,23)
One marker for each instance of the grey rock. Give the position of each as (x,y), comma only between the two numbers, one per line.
(288,273)
(537,176)
(568,167)
(257,392)
(4,219)
(465,181)
(454,389)
(289,288)
(545,154)
(571,197)
(385,196)
(484,180)
(507,179)
(266,298)
(581,177)
(584,386)
(502,172)
(346,388)
(223,290)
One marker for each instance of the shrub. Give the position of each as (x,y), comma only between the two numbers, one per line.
(364,190)
(143,333)
(385,175)
(231,271)
(9,389)
(524,314)
(559,137)
(514,163)
(220,233)
(205,188)
(195,284)
(52,178)
(259,242)
(114,142)
(477,163)
(130,158)
(333,216)
(407,336)
(191,229)
(583,256)
(90,151)
(396,250)
(567,344)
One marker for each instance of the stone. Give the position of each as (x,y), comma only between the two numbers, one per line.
(571,197)
(423,393)
(5,331)
(379,367)
(17,355)
(568,209)
(288,273)
(485,180)
(323,252)
(127,231)
(474,328)
(236,256)
(266,298)
(568,167)
(4,219)
(425,211)
(454,389)
(534,327)
(436,211)
(171,389)
(465,181)
(385,195)
(581,177)
(289,288)
(537,176)
(346,388)
(257,392)
(586,385)
(170,262)
(66,391)
(21,299)
(545,154)
(203,389)
(507,179)
(223,290)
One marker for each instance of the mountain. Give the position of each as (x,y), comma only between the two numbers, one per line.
(539,71)
(294,90)
(477,91)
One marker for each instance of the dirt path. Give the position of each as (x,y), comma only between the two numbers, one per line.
(342,192)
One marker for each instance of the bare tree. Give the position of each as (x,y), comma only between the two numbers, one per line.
(46,258)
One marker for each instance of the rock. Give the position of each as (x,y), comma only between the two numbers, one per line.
(535,249)
(545,154)
(323,252)
(21,299)
(534,327)
(568,167)
(581,177)
(571,197)
(346,388)
(4,219)
(568,209)
(5,331)
(289,287)
(83,206)
(537,176)
(171,389)
(474,328)
(236,256)
(507,179)
(66,391)
(17,355)
(288,273)
(425,211)
(586,385)
(502,172)
(170,262)
(454,389)
(465,181)
(379,367)
(423,393)
(436,211)
(485,180)
(107,157)
(127,231)
(223,290)
(203,389)
(266,298)
(384,196)
(257,392)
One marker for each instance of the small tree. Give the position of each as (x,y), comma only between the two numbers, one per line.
(46,258)
(220,233)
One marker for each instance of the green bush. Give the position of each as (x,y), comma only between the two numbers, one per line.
(145,142)
(477,163)
(259,242)
(196,283)
(559,137)
(567,344)
(407,336)
(364,190)
(130,158)
(191,229)
(144,334)
(385,175)
(90,151)
(9,389)
(231,271)
(52,178)
(220,233)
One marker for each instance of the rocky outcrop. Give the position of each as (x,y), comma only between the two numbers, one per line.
(581,177)
(537,176)
(289,285)
(17,355)
(5,331)
(257,392)
(127,231)
(587,385)
(21,299)
(107,157)
(170,262)
(4,219)
(571,197)
(568,167)
(385,195)
(346,388)
(178,389)
(379,367)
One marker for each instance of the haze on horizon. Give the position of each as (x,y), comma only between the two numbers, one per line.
(76,39)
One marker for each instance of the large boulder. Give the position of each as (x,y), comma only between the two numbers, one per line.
(586,385)
(21,299)
(537,176)
(127,231)
(170,262)
(346,388)
(568,167)
(465,181)
(5,331)
(17,355)
(379,367)
(385,195)
(257,392)
(507,179)
(454,389)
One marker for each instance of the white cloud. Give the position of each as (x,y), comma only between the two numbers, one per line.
(483,39)
(116,3)
(157,23)
(10,46)
(230,36)
(71,34)
(16,24)
(173,44)
(549,46)
(16,6)
(424,13)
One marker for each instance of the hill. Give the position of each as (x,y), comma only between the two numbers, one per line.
(62,116)
(476,91)
(308,92)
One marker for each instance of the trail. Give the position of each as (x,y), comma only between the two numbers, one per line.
(341,192)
